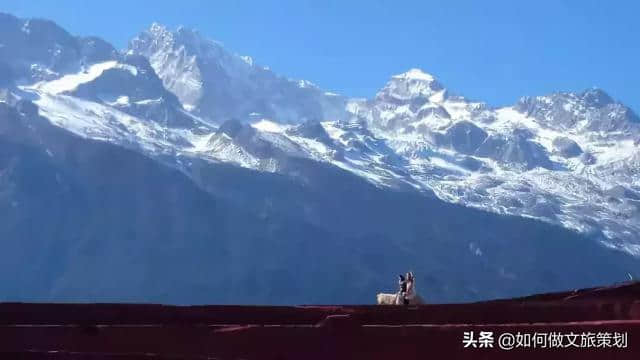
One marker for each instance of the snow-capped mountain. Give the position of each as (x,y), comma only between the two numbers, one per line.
(37,49)
(177,171)
(91,221)
(219,85)
(567,158)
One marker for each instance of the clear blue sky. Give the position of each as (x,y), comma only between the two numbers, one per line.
(494,51)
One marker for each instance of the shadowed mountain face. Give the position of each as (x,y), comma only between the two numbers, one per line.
(38,49)
(90,221)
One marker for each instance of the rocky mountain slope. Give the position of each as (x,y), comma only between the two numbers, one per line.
(217,84)
(86,220)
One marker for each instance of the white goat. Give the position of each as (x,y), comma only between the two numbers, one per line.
(394,299)
(389,299)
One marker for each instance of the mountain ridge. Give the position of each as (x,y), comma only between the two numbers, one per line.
(542,194)
(413,134)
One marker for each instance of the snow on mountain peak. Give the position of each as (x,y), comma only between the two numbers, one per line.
(158,36)
(409,85)
(415,74)
(158,29)
(72,81)
(550,157)
(590,110)
(596,97)
(217,84)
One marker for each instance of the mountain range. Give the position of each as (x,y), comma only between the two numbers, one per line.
(177,171)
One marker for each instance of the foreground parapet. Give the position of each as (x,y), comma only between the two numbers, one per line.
(590,323)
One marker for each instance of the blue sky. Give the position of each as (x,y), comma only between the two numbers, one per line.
(494,51)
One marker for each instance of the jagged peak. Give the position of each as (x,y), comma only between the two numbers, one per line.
(415,74)
(182,37)
(597,97)
(412,84)
(159,31)
(181,32)
(157,28)
(592,97)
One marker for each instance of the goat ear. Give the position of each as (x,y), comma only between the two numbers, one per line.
(401,277)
